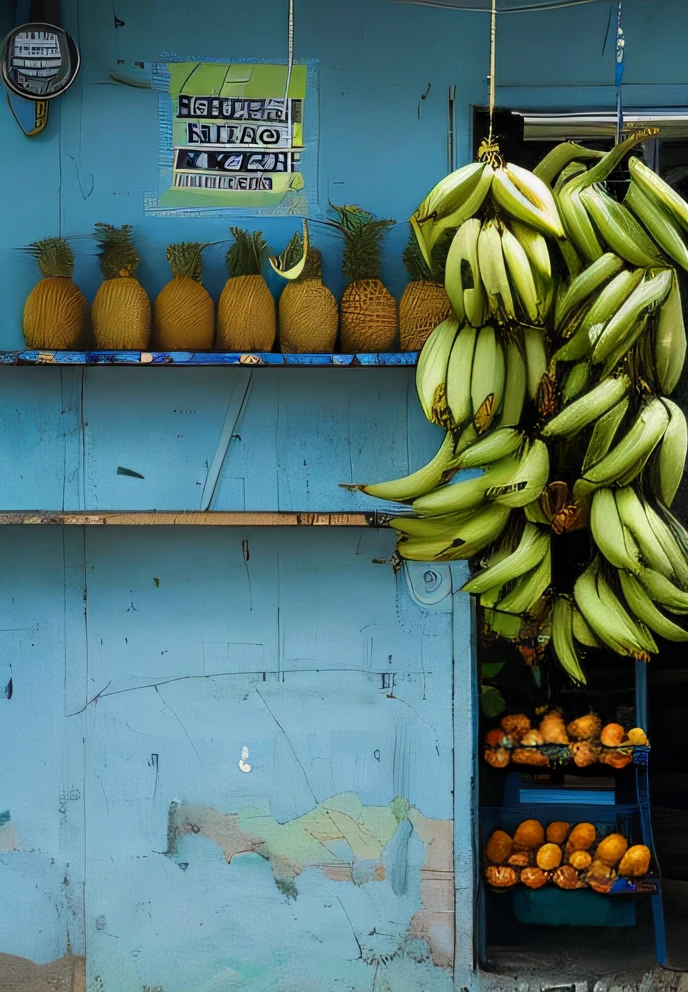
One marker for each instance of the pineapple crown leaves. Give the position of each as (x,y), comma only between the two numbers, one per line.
(54,257)
(185,259)
(416,265)
(363,236)
(118,257)
(245,257)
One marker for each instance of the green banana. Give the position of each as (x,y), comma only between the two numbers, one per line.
(431,371)
(500,301)
(606,618)
(462,274)
(521,276)
(577,415)
(437,471)
(673,538)
(607,304)
(663,591)
(582,632)
(658,221)
(576,380)
(441,528)
(495,445)
(514,385)
(464,541)
(619,228)
(571,170)
(671,454)
(620,329)
(536,358)
(529,588)
(487,379)
(459,375)
(526,198)
(562,639)
(630,453)
(536,249)
(527,482)
(669,346)
(529,553)
(604,432)
(450,193)
(608,532)
(559,157)
(583,286)
(646,611)
(636,632)
(467,493)
(654,187)
(430,232)
(634,519)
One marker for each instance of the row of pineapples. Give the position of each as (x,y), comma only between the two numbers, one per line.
(56,314)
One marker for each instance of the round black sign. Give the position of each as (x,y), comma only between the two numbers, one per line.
(39,61)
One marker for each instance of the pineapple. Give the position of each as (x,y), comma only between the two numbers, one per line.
(308,315)
(121,311)
(56,311)
(425,303)
(368,311)
(246,315)
(184,311)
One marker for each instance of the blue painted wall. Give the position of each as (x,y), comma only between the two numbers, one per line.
(142,662)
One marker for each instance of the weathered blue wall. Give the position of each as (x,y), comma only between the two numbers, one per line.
(142,662)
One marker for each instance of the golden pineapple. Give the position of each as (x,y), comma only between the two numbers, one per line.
(425,303)
(121,311)
(368,310)
(184,311)
(56,311)
(246,315)
(308,314)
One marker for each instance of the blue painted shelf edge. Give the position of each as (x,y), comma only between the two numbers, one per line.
(196,358)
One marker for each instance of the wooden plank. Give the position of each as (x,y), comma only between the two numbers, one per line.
(213,518)
(205,358)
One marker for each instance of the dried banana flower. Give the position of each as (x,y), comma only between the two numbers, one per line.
(557,832)
(529,756)
(499,847)
(498,757)
(585,754)
(529,835)
(553,728)
(517,724)
(534,878)
(585,728)
(549,857)
(501,877)
(636,861)
(566,877)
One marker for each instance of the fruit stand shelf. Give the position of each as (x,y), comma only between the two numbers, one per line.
(264,358)
(217,518)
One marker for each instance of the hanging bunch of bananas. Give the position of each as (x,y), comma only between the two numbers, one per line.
(551,380)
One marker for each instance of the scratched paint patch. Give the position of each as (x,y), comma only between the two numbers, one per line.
(8,834)
(347,842)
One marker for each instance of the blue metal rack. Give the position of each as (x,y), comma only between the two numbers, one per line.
(599,807)
(205,358)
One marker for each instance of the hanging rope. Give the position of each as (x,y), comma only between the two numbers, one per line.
(290,57)
(493,60)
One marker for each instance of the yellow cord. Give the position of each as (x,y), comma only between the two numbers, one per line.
(493,60)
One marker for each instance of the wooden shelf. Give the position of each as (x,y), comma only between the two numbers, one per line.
(198,358)
(193,519)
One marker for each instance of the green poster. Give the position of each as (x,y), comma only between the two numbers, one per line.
(237,136)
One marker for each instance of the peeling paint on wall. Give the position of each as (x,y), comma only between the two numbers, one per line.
(66,974)
(335,824)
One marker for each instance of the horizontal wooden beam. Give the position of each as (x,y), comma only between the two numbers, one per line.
(205,358)
(193,519)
